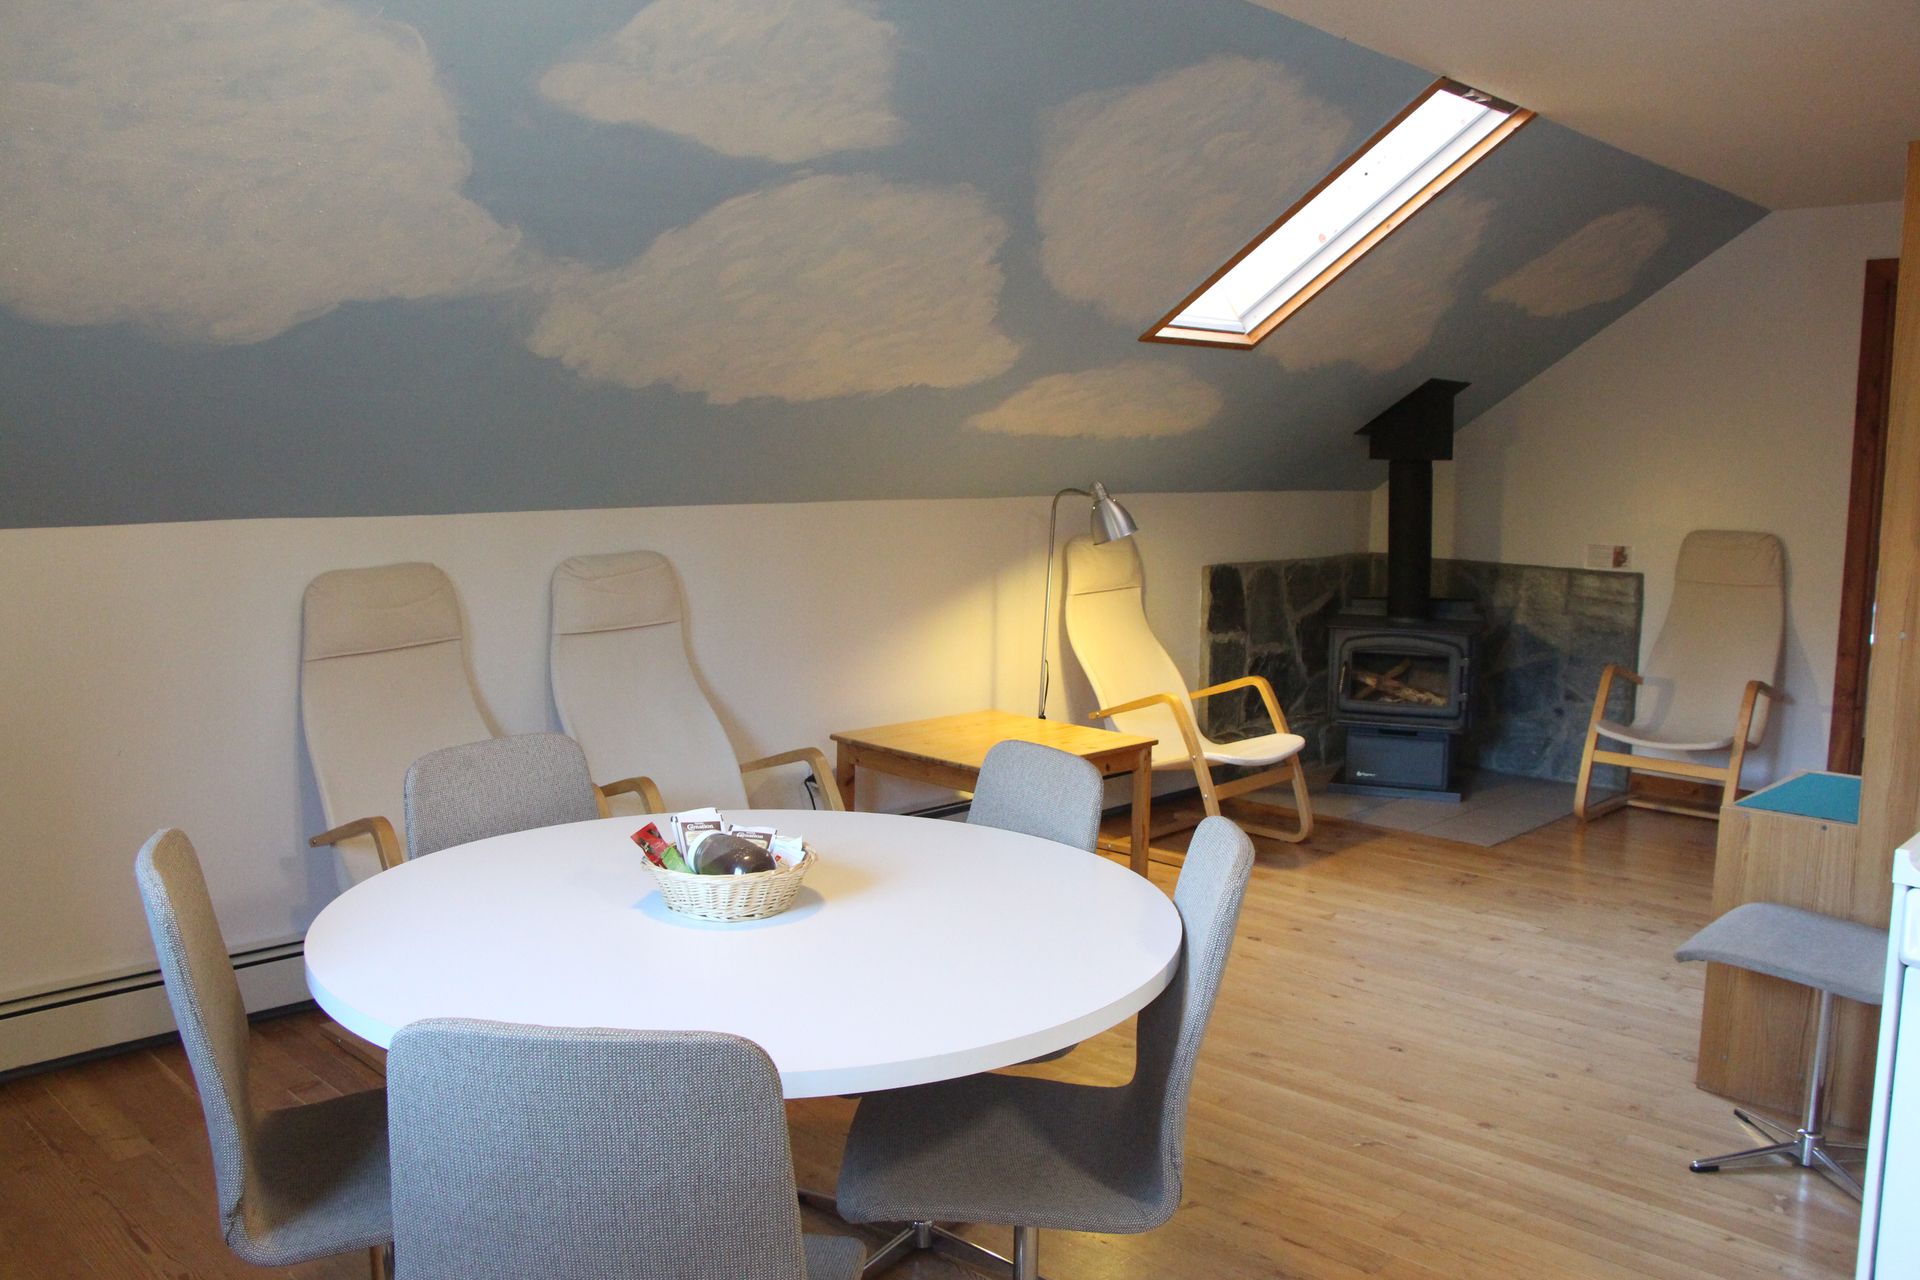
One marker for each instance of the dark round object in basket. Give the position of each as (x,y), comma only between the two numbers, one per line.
(725,855)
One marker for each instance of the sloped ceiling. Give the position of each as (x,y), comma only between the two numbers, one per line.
(1791,105)
(305,257)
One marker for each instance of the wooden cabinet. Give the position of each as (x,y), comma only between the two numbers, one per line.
(1756,1032)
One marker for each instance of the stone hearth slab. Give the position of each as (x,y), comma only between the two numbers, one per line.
(1497,807)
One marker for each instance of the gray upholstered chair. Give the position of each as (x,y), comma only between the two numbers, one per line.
(569,1152)
(293,1184)
(1036,1153)
(1044,792)
(1838,958)
(494,786)
(1039,791)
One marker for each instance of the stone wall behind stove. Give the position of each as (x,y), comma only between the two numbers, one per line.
(1550,631)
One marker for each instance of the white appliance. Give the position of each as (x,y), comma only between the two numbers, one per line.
(1890,1209)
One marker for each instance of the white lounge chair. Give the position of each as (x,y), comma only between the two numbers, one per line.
(1707,685)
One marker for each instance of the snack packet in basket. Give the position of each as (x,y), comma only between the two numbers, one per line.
(693,826)
(653,844)
(658,850)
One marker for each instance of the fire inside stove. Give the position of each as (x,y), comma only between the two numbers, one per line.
(1389,673)
(1400,679)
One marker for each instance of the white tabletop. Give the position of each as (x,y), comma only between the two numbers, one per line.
(918,950)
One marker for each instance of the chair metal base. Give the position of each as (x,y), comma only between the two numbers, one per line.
(923,1237)
(1808,1150)
(1805,1146)
(919,1237)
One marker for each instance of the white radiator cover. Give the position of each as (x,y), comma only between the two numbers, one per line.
(50,1025)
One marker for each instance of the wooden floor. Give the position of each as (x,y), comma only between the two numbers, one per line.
(1430,1061)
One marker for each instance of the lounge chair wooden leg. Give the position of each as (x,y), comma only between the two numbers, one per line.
(1583,808)
(1585,782)
(1737,757)
(377,1262)
(1303,810)
(1730,792)
(1209,798)
(1301,800)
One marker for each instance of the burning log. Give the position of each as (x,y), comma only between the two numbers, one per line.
(1388,684)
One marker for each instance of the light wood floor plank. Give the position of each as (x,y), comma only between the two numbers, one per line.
(1430,1061)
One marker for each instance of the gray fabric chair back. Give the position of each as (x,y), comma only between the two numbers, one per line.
(1039,791)
(206,1004)
(1212,884)
(540,1151)
(495,786)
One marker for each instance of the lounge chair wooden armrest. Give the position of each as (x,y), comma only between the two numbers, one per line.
(1181,717)
(1749,701)
(1260,683)
(1604,693)
(385,842)
(815,760)
(639,785)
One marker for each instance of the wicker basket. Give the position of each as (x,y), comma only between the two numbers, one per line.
(754,896)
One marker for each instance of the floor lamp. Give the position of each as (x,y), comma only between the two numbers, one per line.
(1109,521)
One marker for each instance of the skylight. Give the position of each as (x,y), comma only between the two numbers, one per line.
(1436,139)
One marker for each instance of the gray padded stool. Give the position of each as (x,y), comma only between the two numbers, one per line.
(1836,958)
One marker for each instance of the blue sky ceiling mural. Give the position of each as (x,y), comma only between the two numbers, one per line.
(309,257)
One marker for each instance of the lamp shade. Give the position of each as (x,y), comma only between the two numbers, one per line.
(1110,519)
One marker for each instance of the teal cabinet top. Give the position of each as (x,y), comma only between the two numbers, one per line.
(1829,797)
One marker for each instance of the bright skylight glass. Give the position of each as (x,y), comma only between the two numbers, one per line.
(1376,185)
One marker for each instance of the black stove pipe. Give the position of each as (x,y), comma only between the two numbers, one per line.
(1409,538)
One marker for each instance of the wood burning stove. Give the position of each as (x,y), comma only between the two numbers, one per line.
(1401,666)
(1404,691)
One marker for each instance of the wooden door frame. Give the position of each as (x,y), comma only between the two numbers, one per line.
(1846,740)
(1890,772)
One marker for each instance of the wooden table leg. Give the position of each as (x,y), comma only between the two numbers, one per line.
(843,771)
(1142,815)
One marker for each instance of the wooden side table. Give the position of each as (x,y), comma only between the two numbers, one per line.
(1756,1032)
(947,751)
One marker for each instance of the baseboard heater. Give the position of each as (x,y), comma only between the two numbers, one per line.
(103,1013)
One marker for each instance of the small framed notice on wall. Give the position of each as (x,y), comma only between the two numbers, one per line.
(1609,555)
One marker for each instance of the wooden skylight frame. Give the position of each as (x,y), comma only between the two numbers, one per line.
(1167,329)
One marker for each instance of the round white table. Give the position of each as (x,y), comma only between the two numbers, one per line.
(918,950)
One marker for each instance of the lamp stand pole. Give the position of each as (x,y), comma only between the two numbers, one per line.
(1046,608)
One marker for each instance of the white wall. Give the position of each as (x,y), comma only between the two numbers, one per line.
(150,673)
(1723,401)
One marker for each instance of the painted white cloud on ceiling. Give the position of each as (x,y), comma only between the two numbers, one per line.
(1130,401)
(786,80)
(1382,311)
(1595,264)
(1144,192)
(827,286)
(221,171)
